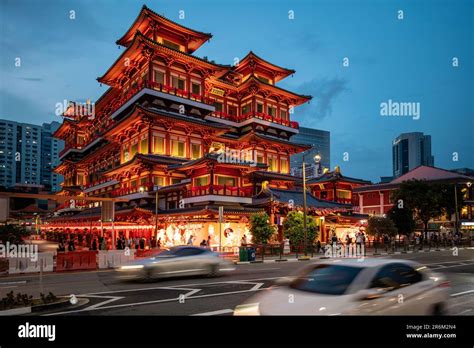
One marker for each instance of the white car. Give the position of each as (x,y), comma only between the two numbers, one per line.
(355,287)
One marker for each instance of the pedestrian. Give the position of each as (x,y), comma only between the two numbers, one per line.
(142,243)
(71,246)
(203,244)
(209,242)
(318,246)
(243,241)
(190,240)
(94,244)
(158,243)
(334,238)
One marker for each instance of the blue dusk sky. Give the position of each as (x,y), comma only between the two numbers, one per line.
(403,60)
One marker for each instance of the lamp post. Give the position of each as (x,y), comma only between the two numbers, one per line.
(317,159)
(156,209)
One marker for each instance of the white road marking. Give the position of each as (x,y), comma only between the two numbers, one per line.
(222,311)
(462,293)
(465,311)
(110,299)
(10,283)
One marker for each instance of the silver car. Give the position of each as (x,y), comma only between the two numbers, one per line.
(355,287)
(175,262)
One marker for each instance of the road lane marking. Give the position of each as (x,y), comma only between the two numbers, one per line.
(154,302)
(110,300)
(462,293)
(222,311)
(11,283)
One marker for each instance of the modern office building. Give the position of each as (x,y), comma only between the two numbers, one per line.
(50,148)
(409,151)
(320,140)
(22,153)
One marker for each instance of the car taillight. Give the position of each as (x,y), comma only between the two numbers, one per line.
(445,284)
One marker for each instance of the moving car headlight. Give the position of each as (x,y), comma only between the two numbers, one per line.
(247,309)
(131,267)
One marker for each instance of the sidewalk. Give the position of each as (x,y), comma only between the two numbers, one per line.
(372,253)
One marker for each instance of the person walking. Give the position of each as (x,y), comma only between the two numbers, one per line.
(190,240)
(209,242)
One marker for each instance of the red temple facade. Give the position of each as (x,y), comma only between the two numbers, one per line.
(183,131)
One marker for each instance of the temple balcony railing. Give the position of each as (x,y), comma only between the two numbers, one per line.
(218,193)
(125,191)
(255,116)
(220,190)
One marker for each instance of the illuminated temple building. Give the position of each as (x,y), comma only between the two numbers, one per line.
(194,134)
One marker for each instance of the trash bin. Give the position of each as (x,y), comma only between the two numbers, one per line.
(243,254)
(251,254)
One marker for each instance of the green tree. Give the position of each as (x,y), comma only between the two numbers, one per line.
(426,200)
(260,228)
(403,219)
(13,234)
(379,225)
(294,228)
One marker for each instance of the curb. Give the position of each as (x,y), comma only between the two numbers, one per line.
(16,311)
(55,305)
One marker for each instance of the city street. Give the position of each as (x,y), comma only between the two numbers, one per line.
(101,293)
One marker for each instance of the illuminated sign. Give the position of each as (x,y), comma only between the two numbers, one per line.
(217,91)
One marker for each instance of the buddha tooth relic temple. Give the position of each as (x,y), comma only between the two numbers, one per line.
(191,135)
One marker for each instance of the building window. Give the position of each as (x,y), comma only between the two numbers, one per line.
(175,181)
(80,179)
(201,181)
(343,194)
(144,145)
(158,144)
(172,45)
(272,164)
(284,165)
(246,109)
(158,181)
(159,76)
(196,88)
(259,158)
(195,151)
(133,150)
(178,148)
(226,180)
(284,115)
(259,107)
(143,181)
(232,110)
(133,183)
(177,82)
(218,106)
(271,111)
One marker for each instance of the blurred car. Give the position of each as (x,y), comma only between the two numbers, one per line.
(175,262)
(355,287)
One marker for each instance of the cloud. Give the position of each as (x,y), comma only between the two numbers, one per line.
(324,92)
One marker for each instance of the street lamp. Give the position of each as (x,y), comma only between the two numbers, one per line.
(317,159)
(156,209)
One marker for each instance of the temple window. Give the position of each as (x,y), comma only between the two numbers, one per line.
(158,144)
(195,150)
(178,148)
(343,194)
(259,158)
(196,88)
(178,82)
(133,149)
(226,180)
(259,107)
(272,163)
(133,183)
(159,76)
(271,111)
(144,145)
(218,106)
(232,110)
(201,181)
(246,108)
(175,181)
(172,45)
(158,181)
(284,165)
(125,154)
(80,180)
(284,114)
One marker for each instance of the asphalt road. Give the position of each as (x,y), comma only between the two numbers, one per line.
(101,293)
